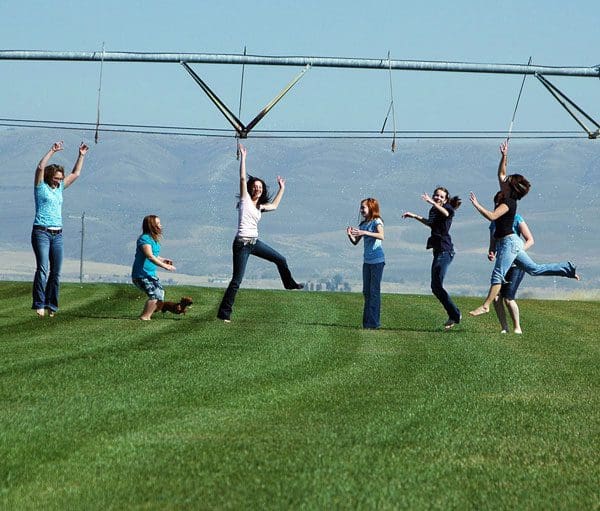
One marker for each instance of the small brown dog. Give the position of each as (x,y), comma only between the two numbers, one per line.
(174,307)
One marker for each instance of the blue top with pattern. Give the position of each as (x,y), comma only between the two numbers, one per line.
(48,205)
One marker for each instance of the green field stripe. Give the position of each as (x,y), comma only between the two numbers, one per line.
(293,405)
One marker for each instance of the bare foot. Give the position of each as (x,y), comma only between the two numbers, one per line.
(479,311)
(143,318)
(518,331)
(573,270)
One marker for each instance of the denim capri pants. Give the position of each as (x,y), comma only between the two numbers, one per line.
(507,250)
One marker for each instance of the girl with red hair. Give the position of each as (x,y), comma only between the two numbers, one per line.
(371,228)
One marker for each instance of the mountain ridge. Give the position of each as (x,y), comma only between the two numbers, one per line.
(191,183)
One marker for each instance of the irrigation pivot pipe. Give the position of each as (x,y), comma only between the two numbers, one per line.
(300,61)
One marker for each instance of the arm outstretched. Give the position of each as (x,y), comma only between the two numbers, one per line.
(503,162)
(429,200)
(273,205)
(421,219)
(243,179)
(490,215)
(70,179)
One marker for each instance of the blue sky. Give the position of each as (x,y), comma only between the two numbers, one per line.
(552,32)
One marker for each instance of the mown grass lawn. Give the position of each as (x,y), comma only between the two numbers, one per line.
(293,406)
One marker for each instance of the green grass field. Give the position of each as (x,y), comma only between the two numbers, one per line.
(292,406)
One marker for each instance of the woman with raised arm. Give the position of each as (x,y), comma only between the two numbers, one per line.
(46,235)
(508,291)
(439,220)
(254,200)
(509,246)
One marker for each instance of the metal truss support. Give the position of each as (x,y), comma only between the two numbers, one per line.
(569,106)
(241,129)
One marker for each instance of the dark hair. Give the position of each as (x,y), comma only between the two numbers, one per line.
(264,198)
(149,226)
(455,201)
(50,170)
(519,186)
(498,197)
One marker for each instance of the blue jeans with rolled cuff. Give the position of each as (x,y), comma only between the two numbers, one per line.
(510,250)
(372,275)
(439,267)
(242,250)
(48,249)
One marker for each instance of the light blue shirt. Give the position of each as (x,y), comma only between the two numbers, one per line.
(373,249)
(48,205)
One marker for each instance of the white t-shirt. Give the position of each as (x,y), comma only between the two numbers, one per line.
(248,218)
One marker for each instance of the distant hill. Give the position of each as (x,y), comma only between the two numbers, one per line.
(191,183)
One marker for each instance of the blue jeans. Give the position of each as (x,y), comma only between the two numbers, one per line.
(509,250)
(372,274)
(439,267)
(241,252)
(48,250)
(513,281)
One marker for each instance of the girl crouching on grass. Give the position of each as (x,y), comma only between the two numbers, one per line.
(143,273)
(371,228)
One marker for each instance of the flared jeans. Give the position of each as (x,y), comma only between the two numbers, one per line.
(48,250)
(242,250)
